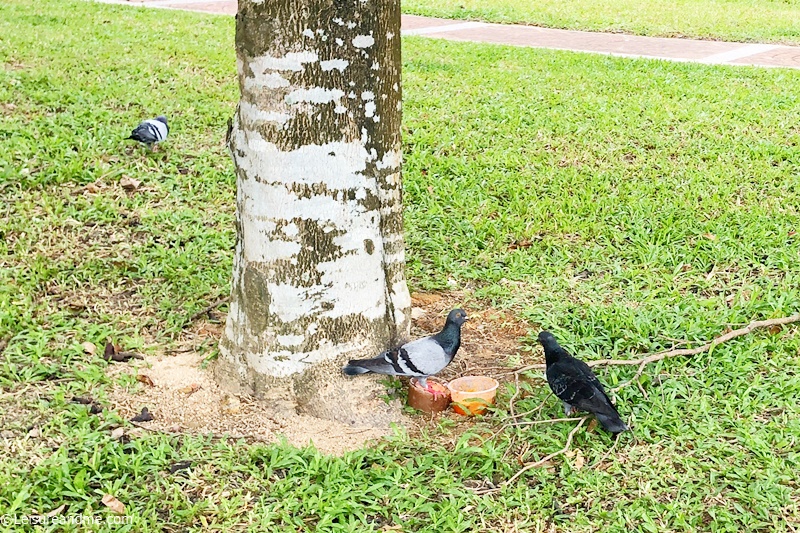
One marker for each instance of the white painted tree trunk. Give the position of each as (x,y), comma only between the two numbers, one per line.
(319,262)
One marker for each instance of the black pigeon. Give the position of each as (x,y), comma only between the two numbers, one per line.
(576,385)
(420,358)
(151,131)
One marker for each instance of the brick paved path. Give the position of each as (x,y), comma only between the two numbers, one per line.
(691,50)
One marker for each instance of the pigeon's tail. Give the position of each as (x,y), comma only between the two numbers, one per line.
(138,138)
(611,422)
(362,366)
(354,370)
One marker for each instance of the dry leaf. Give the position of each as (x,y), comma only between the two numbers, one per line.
(180,465)
(144,416)
(91,188)
(190,389)
(118,433)
(231,405)
(34,433)
(524,243)
(109,351)
(710,236)
(579,460)
(129,184)
(57,511)
(144,378)
(775,329)
(126,356)
(94,408)
(113,353)
(114,504)
(89,348)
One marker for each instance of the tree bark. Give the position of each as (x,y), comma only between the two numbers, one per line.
(318,273)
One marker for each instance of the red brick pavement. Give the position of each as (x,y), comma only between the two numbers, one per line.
(692,50)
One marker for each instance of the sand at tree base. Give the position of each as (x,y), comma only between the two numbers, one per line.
(185,399)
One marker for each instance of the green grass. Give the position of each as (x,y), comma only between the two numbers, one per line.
(622,203)
(725,20)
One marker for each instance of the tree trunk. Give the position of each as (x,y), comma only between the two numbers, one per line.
(318,273)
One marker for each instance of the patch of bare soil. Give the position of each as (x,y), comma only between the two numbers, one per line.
(184,398)
(490,340)
(491,345)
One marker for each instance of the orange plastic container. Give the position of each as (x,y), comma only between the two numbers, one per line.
(471,395)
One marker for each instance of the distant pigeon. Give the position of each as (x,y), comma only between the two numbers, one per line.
(420,358)
(576,385)
(151,131)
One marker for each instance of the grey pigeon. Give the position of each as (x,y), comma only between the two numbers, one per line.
(420,358)
(576,385)
(151,131)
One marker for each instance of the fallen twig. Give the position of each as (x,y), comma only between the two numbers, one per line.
(514,397)
(693,351)
(16,393)
(546,458)
(206,309)
(535,410)
(548,421)
(182,350)
(658,356)
(608,452)
(530,423)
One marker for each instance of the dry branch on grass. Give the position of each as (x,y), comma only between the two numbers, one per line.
(208,308)
(608,452)
(641,363)
(658,356)
(756,324)
(546,458)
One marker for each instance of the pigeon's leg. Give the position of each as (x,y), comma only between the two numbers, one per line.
(433,391)
(423,382)
(567,409)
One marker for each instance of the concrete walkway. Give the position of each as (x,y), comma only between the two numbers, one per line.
(687,50)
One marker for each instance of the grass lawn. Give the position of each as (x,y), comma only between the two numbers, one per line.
(725,20)
(621,203)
